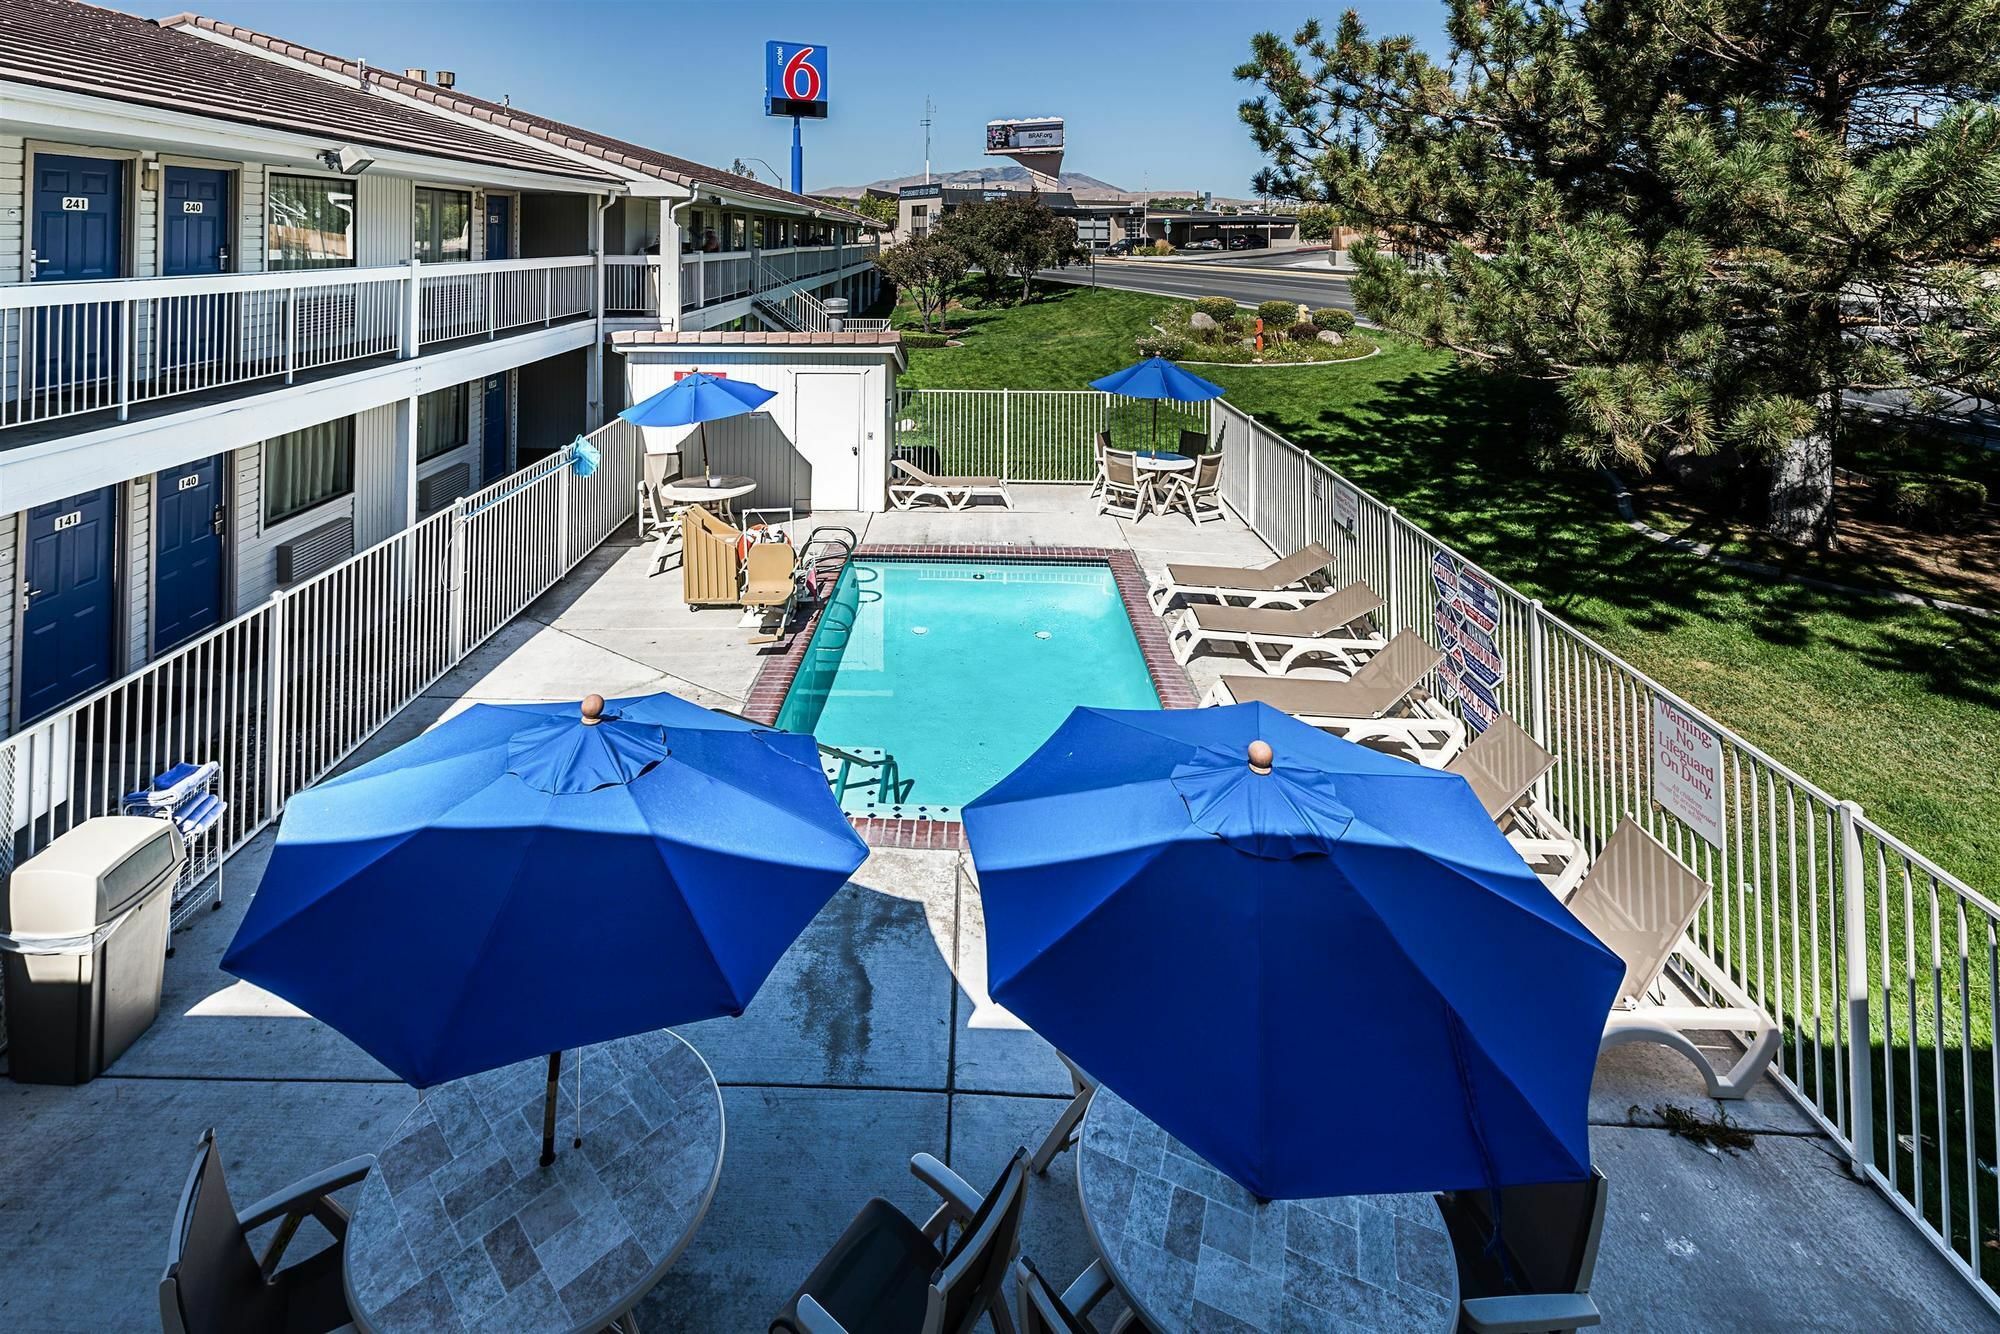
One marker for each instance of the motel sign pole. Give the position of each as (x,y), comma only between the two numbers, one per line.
(798,160)
(795,86)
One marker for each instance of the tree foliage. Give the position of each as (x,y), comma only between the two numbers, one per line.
(928,267)
(1705,220)
(1012,237)
(879,207)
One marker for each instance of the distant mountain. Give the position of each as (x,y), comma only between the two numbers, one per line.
(1010,174)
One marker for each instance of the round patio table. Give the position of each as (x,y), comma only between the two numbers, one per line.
(458,1225)
(1191,1250)
(708,491)
(1164,462)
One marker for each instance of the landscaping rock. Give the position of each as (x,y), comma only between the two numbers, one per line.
(1330,337)
(1201,322)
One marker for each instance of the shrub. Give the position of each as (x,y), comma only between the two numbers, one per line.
(1278,314)
(1172,346)
(1218,308)
(1936,501)
(918,338)
(1330,317)
(1305,331)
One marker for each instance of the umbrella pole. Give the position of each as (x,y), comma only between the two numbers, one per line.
(549,1111)
(1156,426)
(702,431)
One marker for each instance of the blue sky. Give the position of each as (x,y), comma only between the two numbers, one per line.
(1145,87)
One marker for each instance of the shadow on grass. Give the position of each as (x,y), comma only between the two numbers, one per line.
(1453,450)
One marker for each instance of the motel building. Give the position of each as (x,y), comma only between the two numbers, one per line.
(265,307)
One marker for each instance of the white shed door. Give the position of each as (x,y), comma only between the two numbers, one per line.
(828,434)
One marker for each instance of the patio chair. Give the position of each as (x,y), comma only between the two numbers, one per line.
(1292,582)
(1063,1134)
(214,1282)
(1535,1275)
(1503,764)
(954,493)
(1045,1311)
(1638,899)
(1275,638)
(710,559)
(1098,446)
(1198,493)
(659,518)
(1194,444)
(1127,495)
(1378,705)
(887,1275)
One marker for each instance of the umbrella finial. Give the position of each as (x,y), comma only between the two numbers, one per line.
(593,710)
(1260,757)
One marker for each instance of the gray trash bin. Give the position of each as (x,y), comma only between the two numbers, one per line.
(83,944)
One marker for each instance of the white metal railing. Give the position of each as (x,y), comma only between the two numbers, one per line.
(1030,435)
(1880,968)
(72,348)
(632,284)
(282,694)
(708,279)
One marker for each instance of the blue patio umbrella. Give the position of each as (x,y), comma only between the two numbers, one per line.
(699,398)
(1157,378)
(521,879)
(1324,970)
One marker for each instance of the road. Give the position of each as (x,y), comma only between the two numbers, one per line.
(1323,288)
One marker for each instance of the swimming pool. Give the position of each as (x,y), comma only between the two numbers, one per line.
(929,680)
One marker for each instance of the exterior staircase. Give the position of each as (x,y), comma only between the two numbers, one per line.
(784,303)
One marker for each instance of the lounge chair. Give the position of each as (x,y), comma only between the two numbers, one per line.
(1526,1254)
(952,492)
(1127,494)
(215,1282)
(1292,582)
(659,518)
(1639,900)
(1503,764)
(710,563)
(1274,638)
(887,1275)
(1198,493)
(1378,704)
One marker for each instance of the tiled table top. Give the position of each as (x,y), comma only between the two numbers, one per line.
(458,1227)
(1193,1251)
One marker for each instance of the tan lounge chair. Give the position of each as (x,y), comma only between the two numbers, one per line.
(1275,638)
(1197,494)
(952,492)
(1502,765)
(1638,899)
(1378,704)
(1292,582)
(709,560)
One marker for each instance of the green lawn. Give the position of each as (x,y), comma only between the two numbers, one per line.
(1895,707)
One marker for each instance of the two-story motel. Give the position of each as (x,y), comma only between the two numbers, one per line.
(265,307)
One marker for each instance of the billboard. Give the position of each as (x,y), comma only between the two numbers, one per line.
(795,79)
(1042,135)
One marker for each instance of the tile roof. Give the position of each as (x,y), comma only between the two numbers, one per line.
(633,157)
(70,45)
(754,338)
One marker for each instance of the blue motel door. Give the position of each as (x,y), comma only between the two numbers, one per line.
(499,226)
(194,241)
(77,234)
(493,425)
(189,560)
(70,587)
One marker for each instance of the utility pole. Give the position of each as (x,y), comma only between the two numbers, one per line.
(929,112)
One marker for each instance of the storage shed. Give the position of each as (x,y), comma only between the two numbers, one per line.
(821,444)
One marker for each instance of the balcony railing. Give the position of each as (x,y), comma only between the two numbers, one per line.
(73,348)
(711,279)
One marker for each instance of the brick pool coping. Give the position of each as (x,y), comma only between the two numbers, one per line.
(775,677)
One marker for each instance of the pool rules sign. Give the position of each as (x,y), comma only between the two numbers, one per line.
(1467,621)
(1687,769)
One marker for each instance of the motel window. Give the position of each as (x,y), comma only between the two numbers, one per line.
(738,232)
(308,468)
(309,223)
(443,421)
(444,225)
(757,241)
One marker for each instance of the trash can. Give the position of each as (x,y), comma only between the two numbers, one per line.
(83,945)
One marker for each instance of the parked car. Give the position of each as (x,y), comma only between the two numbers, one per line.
(1123,246)
(1211,243)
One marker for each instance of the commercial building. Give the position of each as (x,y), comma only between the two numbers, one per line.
(1104,222)
(267,307)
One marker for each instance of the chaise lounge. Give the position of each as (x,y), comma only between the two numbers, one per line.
(1502,765)
(1378,704)
(1335,627)
(1292,582)
(954,493)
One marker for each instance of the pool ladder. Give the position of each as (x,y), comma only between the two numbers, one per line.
(821,556)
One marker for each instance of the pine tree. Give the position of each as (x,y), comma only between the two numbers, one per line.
(1706,221)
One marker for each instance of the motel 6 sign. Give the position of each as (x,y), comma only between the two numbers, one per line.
(794,80)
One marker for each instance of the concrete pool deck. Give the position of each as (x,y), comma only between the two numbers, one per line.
(872,1041)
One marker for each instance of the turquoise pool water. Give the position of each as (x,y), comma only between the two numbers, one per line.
(934,678)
